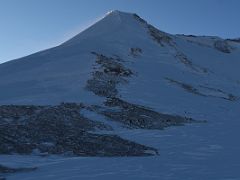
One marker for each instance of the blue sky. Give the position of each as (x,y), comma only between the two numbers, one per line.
(27,26)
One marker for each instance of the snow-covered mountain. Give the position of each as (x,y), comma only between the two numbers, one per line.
(60,74)
(124,71)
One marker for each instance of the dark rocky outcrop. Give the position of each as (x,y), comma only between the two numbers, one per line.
(185,86)
(4,169)
(8,170)
(138,18)
(223,46)
(136,116)
(198,90)
(60,130)
(110,73)
(160,37)
(237,40)
(188,62)
(135,52)
(66,114)
(104,83)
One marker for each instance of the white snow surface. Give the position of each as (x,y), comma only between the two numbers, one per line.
(208,151)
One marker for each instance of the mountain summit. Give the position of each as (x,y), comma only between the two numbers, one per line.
(114,26)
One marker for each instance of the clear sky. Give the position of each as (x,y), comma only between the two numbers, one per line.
(27,26)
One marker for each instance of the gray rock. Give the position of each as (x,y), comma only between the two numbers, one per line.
(8,170)
(60,130)
(110,73)
(222,46)
(4,169)
(135,52)
(195,90)
(136,116)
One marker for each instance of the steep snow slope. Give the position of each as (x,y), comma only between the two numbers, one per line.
(59,74)
(190,76)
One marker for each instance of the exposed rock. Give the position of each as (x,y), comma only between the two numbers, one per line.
(193,36)
(8,170)
(112,66)
(104,82)
(110,73)
(60,130)
(4,169)
(185,86)
(165,39)
(184,59)
(136,116)
(225,95)
(139,19)
(199,90)
(135,51)
(223,46)
(65,113)
(237,40)
(15,112)
(187,62)
(159,36)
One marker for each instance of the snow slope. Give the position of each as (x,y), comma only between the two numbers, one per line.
(184,75)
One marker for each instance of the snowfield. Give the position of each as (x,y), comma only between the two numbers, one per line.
(190,152)
(195,78)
